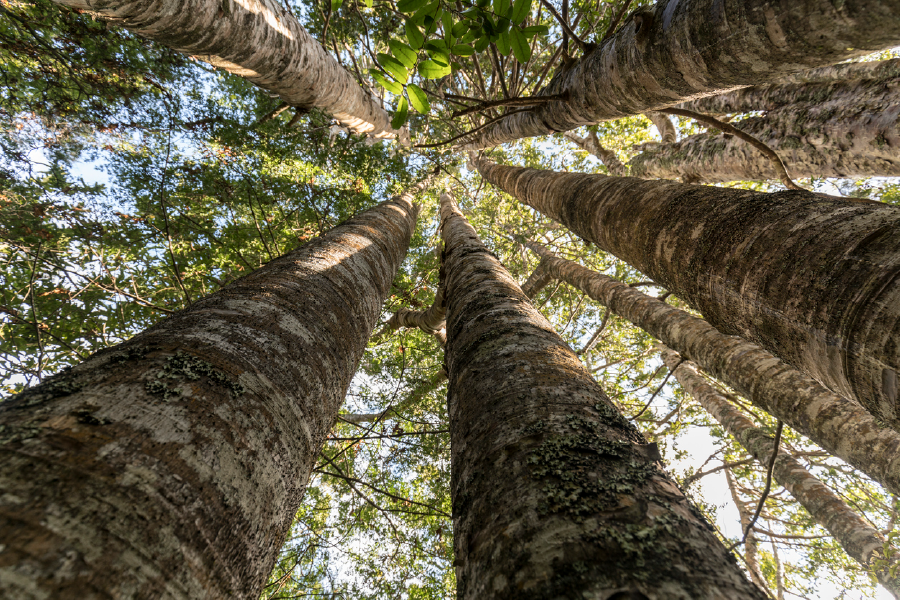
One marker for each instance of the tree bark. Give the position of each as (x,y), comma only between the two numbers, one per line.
(751,544)
(538,280)
(859,540)
(830,129)
(681,50)
(555,495)
(841,427)
(172,464)
(257,40)
(815,281)
(664,126)
(868,79)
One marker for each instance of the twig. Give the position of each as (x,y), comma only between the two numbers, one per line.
(756,143)
(380,491)
(658,390)
(498,70)
(567,31)
(594,338)
(476,130)
(615,22)
(272,114)
(527,101)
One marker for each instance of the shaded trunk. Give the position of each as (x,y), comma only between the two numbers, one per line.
(555,495)
(860,541)
(681,50)
(866,80)
(257,40)
(751,545)
(838,425)
(172,464)
(817,129)
(815,281)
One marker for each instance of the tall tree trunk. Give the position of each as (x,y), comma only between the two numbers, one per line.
(257,40)
(680,50)
(816,281)
(751,544)
(172,464)
(866,79)
(554,493)
(841,427)
(817,129)
(860,541)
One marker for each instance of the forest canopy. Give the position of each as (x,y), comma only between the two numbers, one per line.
(136,179)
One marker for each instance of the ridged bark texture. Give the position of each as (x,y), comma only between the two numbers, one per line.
(257,40)
(592,144)
(751,544)
(555,495)
(838,425)
(172,464)
(684,49)
(809,86)
(538,280)
(815,281)
(859,540)
(833,129)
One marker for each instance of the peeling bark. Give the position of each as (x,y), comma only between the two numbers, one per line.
(841,427)
(859,540)
(813,280)
(751,544)
(172,464)
(259,41)
(835,129)
(689,49)
(555,494)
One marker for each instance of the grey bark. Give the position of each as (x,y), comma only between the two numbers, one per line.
(860,541)
(172,464)
(555,495)
(838,425)
(257,40)
(813,280)
(751,544)
(833,129)
(686,49)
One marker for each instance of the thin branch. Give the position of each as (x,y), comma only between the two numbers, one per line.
(658,390)
(272,114)
(380,491)
(566,29)
(762,499)
(526,101)
(615,22)
(756,143)
(476,130)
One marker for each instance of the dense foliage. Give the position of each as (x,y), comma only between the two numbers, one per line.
(134,180)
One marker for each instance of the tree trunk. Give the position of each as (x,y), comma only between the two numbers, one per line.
(751,544)
(538,280)
(841,427)
(664,126)
(859,540)
(816,281)
(257,40)
(172,464)
(681,50)
(868,79)
(555,495)
(817,129)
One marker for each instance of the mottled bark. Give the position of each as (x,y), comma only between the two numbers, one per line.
(414,398)
(860,541)
(836,129)
(664,125)
(607,157)
(555,495)
(538,280)
(864,80)
(257,40)
(681,50)
(172,464)
(751,544)
(841,427)
(815,281)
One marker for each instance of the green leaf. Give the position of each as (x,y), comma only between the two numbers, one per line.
(393,66)
(400,114)
(418,98)
(500,7)
(470,37)
(432,70)
(391,86)
(447,22)
(369,3)
(481,44)
(336,4)
(438,50)
(503,44)
(427,10)
(459,30)
(536,29)
(503,25)
(520,47)
(410,6)
(403,53)
(521,10)
(414,35)
(463,50)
